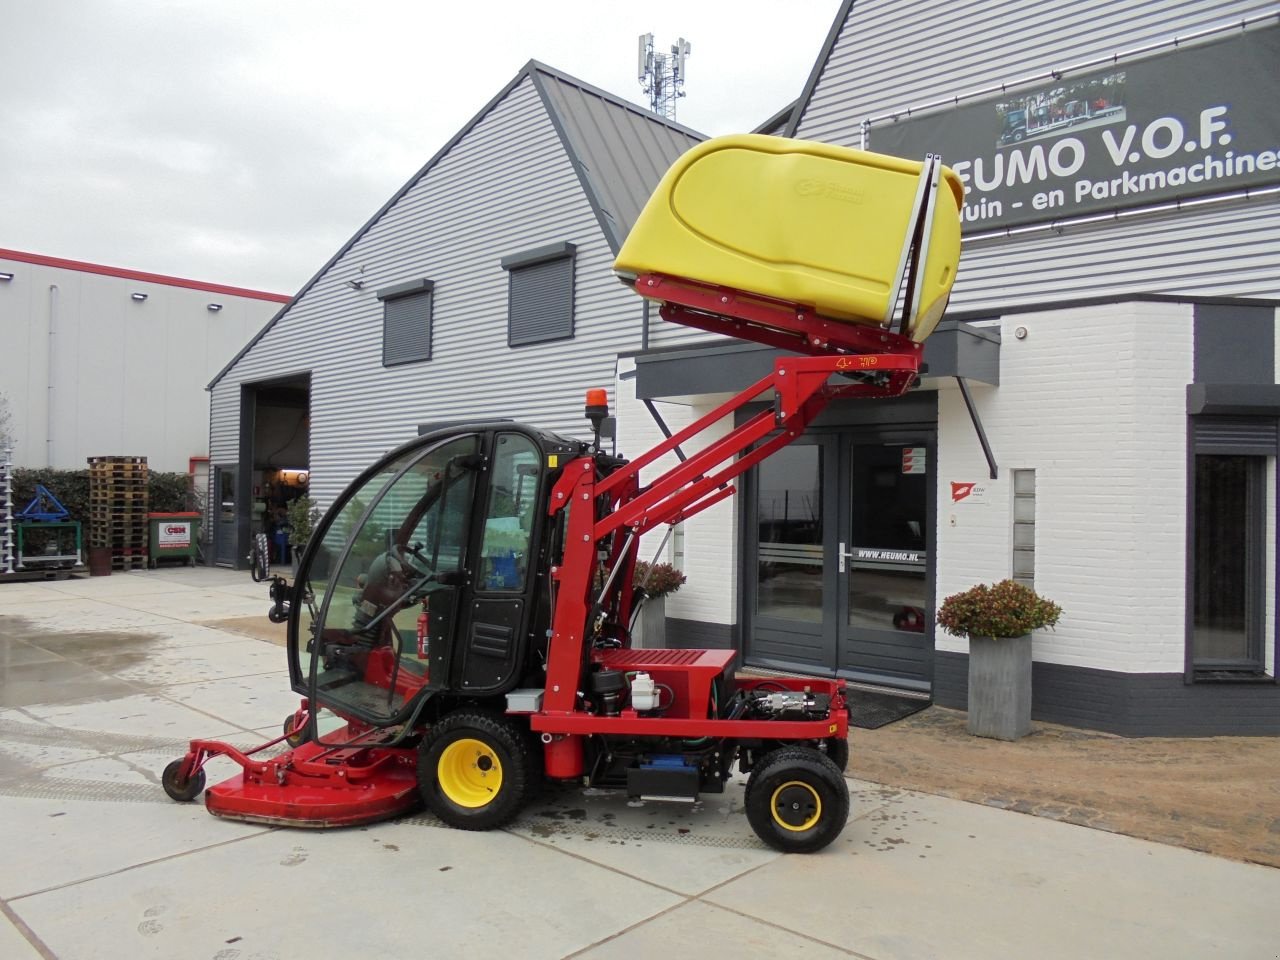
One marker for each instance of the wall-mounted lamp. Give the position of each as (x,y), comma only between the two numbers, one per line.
(355,284)
(5,277)
(138,296)
(214,307)
(1020,333)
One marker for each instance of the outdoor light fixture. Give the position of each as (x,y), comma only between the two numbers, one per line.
(355,284)
(138,296)
(5,277)
(214,307)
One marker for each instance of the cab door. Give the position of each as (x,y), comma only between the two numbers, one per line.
(381,583)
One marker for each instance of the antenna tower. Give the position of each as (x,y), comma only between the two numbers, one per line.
(662,74)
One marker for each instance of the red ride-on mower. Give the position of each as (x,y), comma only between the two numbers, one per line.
(460,626)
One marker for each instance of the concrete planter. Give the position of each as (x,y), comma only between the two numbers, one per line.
(650,631)
(1000,686)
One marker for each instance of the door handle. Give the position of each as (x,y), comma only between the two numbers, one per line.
(843,555)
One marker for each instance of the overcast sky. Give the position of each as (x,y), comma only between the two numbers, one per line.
(244,141)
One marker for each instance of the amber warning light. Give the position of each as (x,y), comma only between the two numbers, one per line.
(597,409)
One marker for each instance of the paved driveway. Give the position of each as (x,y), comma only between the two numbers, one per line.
(103,680)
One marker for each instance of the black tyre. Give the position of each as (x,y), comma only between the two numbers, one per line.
(797,800)
(476,770)
(295,736)
(178,789)
(837,749)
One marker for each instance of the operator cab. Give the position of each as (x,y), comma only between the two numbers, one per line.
(426,575)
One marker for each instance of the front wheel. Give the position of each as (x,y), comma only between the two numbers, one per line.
(797,800)
(182,790)
(475,770)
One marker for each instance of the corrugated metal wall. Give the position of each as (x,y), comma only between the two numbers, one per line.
(890,56)
(505,187)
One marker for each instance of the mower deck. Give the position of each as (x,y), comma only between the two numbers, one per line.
(320,786)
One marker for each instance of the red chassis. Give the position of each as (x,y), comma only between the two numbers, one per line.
(364,773)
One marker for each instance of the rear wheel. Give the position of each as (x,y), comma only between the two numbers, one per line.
(179,788)
(797,800)
(475,770)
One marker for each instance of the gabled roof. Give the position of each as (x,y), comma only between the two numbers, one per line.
(819,65)
(619,149)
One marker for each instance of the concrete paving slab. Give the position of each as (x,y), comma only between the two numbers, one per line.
(79,613)
(178,663)
(51,843)
(115,587)
(923,876)
(82,645)
(53,682)
(138,714)
(13,945)
(11,593)
(686,848)
(703,929)
(18,652)
(250,703)
(191,605)
(441,893)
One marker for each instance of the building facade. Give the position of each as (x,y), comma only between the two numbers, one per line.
(482,289)
(1115,339)
(104,361)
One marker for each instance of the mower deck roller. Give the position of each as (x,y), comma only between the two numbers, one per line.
(462,613)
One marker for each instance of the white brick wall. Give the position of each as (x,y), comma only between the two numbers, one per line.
(1093,399)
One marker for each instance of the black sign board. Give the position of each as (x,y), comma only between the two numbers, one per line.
(1195,121)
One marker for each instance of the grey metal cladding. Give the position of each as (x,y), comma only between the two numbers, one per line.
(505,184)
(888,56)
(621,150)
(541,302)
(406,328)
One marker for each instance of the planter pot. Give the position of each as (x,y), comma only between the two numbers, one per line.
(1000,687)
(650,632)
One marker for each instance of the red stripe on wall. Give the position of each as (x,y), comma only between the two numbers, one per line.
(105,271)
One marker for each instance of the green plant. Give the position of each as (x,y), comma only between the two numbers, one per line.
(303,515)
(1005,609)
(658,580)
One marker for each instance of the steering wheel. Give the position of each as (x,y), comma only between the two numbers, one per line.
(409,556)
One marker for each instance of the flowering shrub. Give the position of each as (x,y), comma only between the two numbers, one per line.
(662,579)
(1007,609)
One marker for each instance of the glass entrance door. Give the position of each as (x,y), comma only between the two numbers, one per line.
(884,561)
(790,585)
(838,563)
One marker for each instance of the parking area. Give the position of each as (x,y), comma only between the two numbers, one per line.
(103,680)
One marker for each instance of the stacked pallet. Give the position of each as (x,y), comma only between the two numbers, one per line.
(118,509)
(6,513)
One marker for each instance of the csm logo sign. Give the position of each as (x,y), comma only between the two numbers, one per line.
(964,491)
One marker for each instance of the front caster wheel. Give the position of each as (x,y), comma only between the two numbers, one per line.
(797,800)
(475,770)
(295,735)
(178,789)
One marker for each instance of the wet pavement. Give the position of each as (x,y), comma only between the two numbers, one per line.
(103,680)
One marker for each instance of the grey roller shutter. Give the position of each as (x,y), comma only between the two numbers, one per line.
(1249,436)
(541,299)
(406,328)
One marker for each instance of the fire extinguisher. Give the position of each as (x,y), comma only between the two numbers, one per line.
(424,628)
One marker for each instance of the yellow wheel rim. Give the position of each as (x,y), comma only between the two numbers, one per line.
(469,773)
(796,806)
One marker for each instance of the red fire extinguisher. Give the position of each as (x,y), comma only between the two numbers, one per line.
(424,628)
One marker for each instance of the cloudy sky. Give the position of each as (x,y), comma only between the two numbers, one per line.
(244,141)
